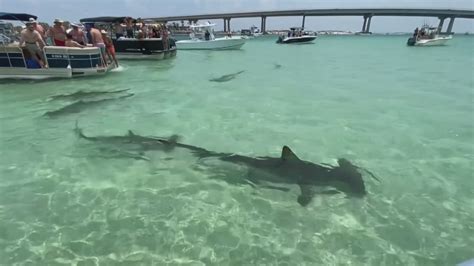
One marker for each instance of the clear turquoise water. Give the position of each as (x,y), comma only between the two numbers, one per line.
(404,113)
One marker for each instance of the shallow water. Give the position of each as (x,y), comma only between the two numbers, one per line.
(405,113)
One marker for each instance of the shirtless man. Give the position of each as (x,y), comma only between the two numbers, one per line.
(38,28)
(57,33)
(32,41)
(96,40)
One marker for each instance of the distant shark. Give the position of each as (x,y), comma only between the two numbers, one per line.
(80,105)
(84,94)
(227,77)
(271,172)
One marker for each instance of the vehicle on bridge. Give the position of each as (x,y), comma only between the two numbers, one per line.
(428,36)
(297,35)
(202,38)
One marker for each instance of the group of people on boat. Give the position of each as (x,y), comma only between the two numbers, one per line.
(424,33)
(34,38)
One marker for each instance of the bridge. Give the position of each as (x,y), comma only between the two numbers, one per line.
(366,13)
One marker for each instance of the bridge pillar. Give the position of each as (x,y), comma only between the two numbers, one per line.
(440,25)
(225,25)
(304,18)
(228,25)
(365,24)
(367,29)
(263,24)
(450,25)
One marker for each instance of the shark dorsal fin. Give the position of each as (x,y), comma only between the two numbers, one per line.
(131,134)
(287,154)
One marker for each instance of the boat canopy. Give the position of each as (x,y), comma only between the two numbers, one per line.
(16,16)
(104,19)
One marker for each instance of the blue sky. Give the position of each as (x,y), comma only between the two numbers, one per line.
(47,10)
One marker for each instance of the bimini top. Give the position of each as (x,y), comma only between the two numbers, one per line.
(104,19)
(16,16)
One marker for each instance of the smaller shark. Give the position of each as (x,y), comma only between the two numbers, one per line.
(84,94)
(132,141)
(227,77)
(80,105)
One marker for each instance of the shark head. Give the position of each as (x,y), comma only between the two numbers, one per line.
(349,179)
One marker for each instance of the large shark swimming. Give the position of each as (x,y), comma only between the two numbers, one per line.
(271,172)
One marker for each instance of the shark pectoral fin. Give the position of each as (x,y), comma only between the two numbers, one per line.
(306,195)
(131,134)
(287,154)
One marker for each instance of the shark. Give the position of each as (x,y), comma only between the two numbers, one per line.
(77,107)
(227,77)
(132,141)
(266,172)
(84,94)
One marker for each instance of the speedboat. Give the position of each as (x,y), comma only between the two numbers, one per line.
(133,47)
(202,38)
(297,35)
(62,62)
(428,36)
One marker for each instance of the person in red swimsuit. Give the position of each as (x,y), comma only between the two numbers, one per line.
(57,33)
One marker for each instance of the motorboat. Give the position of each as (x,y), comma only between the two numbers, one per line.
(297,35)
(62,62)
(202,38)
(134,47)
(251,33)
(428,36)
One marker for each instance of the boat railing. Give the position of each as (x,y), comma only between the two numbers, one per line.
(88,57)
(55,57)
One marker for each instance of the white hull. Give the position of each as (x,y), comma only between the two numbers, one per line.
(63,62)
(225,43)
(45,73)
(433,42)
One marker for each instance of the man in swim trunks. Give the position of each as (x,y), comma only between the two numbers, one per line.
(96,40)
(38,28)
(57,33)
(31,40)
(109,45)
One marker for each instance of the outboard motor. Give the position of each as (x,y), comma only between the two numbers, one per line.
(280,39)
(411,41)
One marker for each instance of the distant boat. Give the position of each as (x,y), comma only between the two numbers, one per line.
(428,36)
(251,33)
(202,38)
(361,33)
(297,35)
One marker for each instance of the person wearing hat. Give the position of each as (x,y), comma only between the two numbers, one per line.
(38,28)
(109,46)
(31,41)
(78,34)
(57,33)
